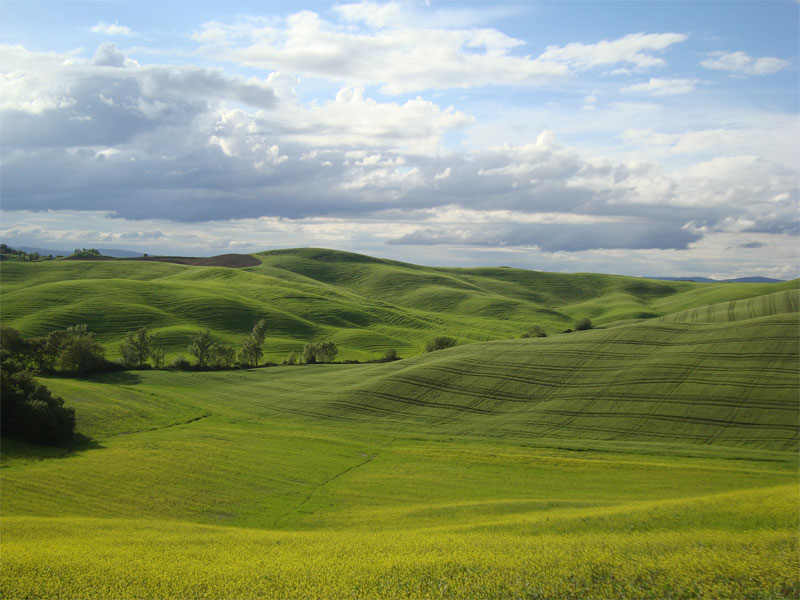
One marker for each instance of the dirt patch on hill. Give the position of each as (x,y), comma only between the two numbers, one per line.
(233,261)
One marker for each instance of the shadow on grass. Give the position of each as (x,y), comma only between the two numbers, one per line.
(118,378)
(113,377)
(13,450)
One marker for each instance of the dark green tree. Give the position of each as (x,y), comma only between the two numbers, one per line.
(81,355)
(136,347)
(28,410)
(200,346)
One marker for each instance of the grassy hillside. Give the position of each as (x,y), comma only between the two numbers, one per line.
(364,304)
(653,459)
(426,478)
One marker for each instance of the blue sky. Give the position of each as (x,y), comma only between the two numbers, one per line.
(644,138)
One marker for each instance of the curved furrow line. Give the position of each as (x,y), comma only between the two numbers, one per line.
(590,414)
(427,404)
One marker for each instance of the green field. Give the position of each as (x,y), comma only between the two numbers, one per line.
(366,305)
(654,457)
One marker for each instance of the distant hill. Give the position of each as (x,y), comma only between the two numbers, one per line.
(116,253)
(364,304)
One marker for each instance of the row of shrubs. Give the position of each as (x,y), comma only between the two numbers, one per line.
(537,331)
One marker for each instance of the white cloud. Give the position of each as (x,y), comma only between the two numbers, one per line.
(662,87)
(741,63)
(637,49)
(380,44)
(402,59)
(112,29)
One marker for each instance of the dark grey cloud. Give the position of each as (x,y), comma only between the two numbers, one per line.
(554,237)
(153,142)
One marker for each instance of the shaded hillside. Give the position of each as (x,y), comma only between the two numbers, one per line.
(728,384)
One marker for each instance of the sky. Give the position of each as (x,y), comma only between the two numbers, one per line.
(637,138)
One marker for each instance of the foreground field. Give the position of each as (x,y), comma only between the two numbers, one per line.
(370,481)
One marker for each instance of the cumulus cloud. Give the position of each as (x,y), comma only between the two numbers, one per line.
(112,29)
(192,145)
(657,86)
(55,100)
(401,59)
(380,44)
(741,63)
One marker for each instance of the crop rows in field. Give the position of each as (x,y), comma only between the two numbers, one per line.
(724,383)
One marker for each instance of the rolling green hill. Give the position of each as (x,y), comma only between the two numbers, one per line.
(366,305)
(655,457)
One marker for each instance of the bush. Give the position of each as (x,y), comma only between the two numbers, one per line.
(82,355)
(440,343)
(583,324)
(390,355)
(291,359)
(537,331)
(319,352)
(181,363)
(28,410)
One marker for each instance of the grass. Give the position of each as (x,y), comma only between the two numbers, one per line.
(364,304)
(652,459)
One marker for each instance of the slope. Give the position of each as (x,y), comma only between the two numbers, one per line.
(364,304)
(649,460)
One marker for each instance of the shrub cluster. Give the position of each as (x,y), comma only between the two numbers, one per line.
(440,343)
(28,410)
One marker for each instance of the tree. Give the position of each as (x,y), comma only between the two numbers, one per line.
(259,331)
(81,355)
(291,359)
(390,355)
(583,324)
(136,347)
(40,354)
(129,357)
(27,408)
(199,347)
(157,353)
(319,352)
(326,352)
(251,350)
(440,343)
(30,412)
(221,356)
(310,353)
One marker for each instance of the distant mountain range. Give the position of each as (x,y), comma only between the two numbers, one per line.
(104,251)
(707,280)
